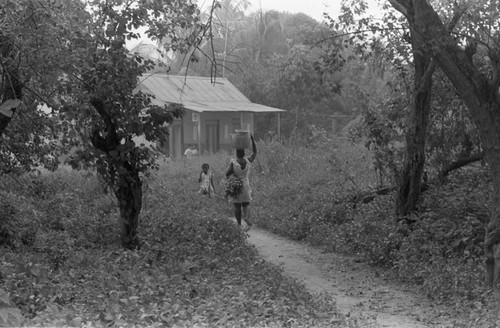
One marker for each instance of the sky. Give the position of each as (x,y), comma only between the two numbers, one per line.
(313,8)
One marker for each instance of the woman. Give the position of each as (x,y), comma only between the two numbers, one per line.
(240,167)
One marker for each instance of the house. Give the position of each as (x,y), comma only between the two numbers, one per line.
(215,108)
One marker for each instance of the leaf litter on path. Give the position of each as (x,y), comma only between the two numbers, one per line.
(359,290)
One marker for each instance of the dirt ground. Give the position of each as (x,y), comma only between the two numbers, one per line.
(360,290)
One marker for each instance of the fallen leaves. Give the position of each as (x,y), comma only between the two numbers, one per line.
(193,270)
(10,316)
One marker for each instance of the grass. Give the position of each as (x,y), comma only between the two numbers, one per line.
(306,192)
(64,264)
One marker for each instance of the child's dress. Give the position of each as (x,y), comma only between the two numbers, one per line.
(206,184)
(246,192)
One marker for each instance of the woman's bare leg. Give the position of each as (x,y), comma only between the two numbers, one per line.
(246,213)
(237,212)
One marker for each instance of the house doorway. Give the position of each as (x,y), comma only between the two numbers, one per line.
(212,136)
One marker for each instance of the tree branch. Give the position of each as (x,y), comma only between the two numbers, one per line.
(401,5)
(458,164)
(104,140)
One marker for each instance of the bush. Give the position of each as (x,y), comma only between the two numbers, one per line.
(311,199)
(63,230)
(193,268)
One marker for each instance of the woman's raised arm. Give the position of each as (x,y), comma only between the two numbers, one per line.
(251,158)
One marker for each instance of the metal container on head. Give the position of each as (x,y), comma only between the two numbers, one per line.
(241,139)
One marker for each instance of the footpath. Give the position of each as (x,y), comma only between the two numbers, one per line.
(360,290)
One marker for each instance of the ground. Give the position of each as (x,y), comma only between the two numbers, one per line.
(360,290)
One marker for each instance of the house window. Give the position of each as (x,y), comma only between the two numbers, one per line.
(226,131)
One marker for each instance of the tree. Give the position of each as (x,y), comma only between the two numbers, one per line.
(306,86)
(477,80)
(405,52)
(302,29)
(269,38)
(28,62)
(220,54)
(92,84)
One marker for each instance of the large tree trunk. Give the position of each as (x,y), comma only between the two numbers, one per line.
(480,94)
(123,175)
(409,184)
(129,194)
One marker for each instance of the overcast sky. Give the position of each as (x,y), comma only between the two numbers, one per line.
(313,8)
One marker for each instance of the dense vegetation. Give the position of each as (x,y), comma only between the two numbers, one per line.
(64,265)
(425,110)
(312,194)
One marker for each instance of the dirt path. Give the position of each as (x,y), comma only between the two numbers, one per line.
(359,290)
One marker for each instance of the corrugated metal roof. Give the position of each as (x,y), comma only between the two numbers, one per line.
(199,94)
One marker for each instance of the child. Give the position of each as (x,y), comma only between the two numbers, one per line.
(206,181)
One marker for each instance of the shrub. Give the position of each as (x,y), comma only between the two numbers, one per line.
(67,226)
(311,199)
(193,268)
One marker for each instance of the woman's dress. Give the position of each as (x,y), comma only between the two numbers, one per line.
(245,195)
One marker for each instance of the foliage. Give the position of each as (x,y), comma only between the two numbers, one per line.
(299,194)
(194,268)
(233,186)
(310,184)
(452,134)
(194,265)
(301,82)
(89,85)
(30,66)
(275,60)
(383,106)
(300,28)
(383,93)
(467,74)
(111,76)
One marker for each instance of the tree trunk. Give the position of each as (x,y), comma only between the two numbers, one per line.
(11,82)
(480,94)
(409,184)
(492,239)
(123,175)
(129,195)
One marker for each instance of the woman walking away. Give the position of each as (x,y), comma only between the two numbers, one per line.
(206,181)
(240,167)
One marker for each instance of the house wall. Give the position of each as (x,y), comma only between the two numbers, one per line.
(216,126)
(219,124)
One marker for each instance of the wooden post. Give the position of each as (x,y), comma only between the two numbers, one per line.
(199,135)
(171,152)
(252,121)
(279,126)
